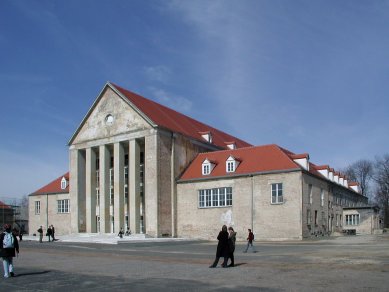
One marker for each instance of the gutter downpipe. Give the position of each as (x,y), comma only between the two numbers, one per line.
(173,188)
(47,211)
(252,203)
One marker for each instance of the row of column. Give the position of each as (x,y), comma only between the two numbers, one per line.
(92,184)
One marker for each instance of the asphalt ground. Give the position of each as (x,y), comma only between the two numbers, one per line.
(350,263)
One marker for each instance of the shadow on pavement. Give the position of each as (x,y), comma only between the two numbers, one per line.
(31,274)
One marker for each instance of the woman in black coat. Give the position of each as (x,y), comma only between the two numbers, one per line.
(222,248)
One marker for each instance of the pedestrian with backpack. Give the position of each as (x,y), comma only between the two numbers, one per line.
(9,244)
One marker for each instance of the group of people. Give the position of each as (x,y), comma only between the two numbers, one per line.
(50,233)
(121,232)
(226,246)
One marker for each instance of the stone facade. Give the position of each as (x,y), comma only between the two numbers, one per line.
(48,214)
(251,208)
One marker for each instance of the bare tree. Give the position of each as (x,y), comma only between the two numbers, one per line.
(381,178)
(361,171)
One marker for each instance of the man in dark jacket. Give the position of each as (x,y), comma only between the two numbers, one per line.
(222,248)
(9,244)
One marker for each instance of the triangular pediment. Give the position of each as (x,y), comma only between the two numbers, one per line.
(110,115)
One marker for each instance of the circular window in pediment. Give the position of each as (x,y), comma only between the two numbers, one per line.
(109,119)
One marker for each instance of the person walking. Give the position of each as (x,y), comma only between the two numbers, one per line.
(40,231)
(231,245)
(52,232)
(49,233)
(250,239)
(9,244)
(222,248)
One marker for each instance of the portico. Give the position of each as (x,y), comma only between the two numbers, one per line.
(109,186)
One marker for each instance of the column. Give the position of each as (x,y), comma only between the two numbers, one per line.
(133,185)
(77,190)
(118,164)
(105,159)
(151,191)
(173,188)
(90,177)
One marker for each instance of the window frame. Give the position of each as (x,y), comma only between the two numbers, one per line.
(37,207)
(215,198)
(310,193)
(206,168)
(64,183)
(278,188)
(63,206)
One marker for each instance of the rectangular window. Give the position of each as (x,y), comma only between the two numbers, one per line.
(323,218)
(111,178)
(111,196)
(206,169)
(208,198)
(309,218)
(201,198)
(222,197)
(125,175)
(97,178)
(316,217)
(97,197)
(126,195)
(230,166)
(322,197)
(37,207)
(63,206)
(276,193)
(310,194)
(217,197)
(229,196)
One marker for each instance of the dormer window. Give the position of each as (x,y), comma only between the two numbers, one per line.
(207,136)
(207,166)
(231,145)
(64,183)
(231,164)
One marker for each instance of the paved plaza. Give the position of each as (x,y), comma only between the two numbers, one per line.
(349,263)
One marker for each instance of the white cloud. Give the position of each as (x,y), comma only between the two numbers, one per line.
(157,73)
(175,102)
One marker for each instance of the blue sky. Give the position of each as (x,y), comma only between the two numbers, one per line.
(310,76)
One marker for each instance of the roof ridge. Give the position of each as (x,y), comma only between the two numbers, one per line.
(160,107)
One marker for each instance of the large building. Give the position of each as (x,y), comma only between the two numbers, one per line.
(138,164)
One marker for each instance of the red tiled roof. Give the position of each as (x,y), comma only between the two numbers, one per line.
(179,123)
(353,183)
(54,186)
(300,156)
(252,160)
(4,206)
(256,159)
